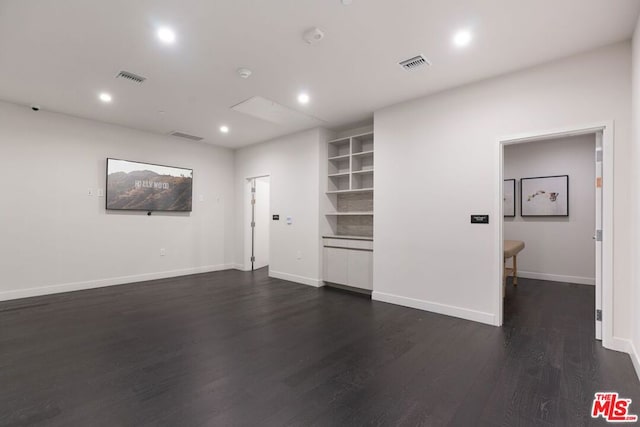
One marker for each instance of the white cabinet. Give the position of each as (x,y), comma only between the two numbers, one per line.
(349,262)
(360,269)
(335,265)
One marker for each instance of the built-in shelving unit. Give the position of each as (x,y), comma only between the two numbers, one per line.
(350,184)
(348,248)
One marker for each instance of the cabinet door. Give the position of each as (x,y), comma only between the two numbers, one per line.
(335,265)
(360,269)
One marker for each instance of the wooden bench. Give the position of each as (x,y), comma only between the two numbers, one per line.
(511,249)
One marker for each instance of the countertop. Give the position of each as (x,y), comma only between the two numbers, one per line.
(367,238)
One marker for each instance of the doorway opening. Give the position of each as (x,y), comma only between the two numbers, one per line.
(257,220)
(556,196)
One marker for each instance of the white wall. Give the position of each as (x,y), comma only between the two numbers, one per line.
(557,248)
(57,238)
(426,254)
(635,347)
(293,164)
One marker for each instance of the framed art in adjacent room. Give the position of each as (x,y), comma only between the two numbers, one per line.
(509,198)
(544,196)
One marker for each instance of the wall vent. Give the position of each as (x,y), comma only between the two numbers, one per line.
(415,62)
(131,77)
(185,135)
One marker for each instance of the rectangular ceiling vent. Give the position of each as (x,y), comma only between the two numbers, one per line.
(185,136)
(415,62)
(130,77)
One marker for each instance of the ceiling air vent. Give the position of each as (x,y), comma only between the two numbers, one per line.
(131,77)
(185,135)
(415,62)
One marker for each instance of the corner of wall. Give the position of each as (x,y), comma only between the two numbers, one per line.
(635,93)
(635,358)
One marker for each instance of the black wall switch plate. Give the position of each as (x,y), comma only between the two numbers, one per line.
(479,219)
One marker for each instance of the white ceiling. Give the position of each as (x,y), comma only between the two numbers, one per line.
(61,54)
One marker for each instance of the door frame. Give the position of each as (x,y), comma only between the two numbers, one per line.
(607,129)
(246,206)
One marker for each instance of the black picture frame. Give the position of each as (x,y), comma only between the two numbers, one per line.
(154,209)
(547,190)
(504,197)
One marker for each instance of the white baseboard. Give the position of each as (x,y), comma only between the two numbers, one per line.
(626,346)
(237,267)
(99,283)
(449,310)
(557,278)
(619,344)
(298,279)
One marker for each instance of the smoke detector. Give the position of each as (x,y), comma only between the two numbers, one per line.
(415,62)
(313,35)
(244,72)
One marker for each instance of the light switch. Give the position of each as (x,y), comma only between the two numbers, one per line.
(90,192)
(289,220)
(201,198)
(100,192)
(479,219)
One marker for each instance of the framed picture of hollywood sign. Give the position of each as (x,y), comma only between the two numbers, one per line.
(137,186)
(544,196)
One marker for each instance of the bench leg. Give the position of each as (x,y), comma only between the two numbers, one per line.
(515,270)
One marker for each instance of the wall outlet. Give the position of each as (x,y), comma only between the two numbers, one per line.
(90,192)
(163,252)
(298,255)
(100,192)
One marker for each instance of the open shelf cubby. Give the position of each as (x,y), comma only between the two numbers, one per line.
(362,162)
(339,183)
(361,181)
(340,147)
(362,143)
(339,165)
(350,185)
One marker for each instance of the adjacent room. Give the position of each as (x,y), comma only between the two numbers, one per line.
(319,212)
(552,213)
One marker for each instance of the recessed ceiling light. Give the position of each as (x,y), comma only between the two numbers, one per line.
(224,129)
(166,35)
(303,98)
(105,97)
(462,38)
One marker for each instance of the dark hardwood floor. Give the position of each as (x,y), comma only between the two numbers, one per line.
(233,348)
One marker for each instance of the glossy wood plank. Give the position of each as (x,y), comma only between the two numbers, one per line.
(234,348)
